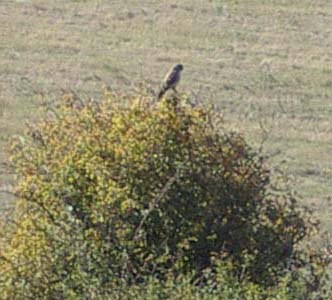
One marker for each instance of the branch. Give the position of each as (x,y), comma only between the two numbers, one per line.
(156,201)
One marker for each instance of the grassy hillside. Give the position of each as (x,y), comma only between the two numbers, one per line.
(267,65)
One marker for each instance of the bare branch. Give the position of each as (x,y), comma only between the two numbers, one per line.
(156,201)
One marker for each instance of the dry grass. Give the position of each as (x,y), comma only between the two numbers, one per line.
(267,64)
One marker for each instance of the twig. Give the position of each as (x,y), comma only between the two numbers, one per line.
(156,201)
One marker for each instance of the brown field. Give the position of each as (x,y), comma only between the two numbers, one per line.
(266,64)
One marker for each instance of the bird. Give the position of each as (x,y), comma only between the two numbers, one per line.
(171,80)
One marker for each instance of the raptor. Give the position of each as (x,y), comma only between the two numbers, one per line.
(171,80)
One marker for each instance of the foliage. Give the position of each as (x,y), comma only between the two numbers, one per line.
(111,193)
(222,286)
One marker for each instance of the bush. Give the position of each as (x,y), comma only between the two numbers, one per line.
(111,193)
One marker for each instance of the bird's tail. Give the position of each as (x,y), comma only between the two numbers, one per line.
(161,93)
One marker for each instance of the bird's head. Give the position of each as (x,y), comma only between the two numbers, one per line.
(178,67)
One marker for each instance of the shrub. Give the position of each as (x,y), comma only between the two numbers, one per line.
(113,192)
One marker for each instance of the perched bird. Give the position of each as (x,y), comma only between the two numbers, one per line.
(171,80)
